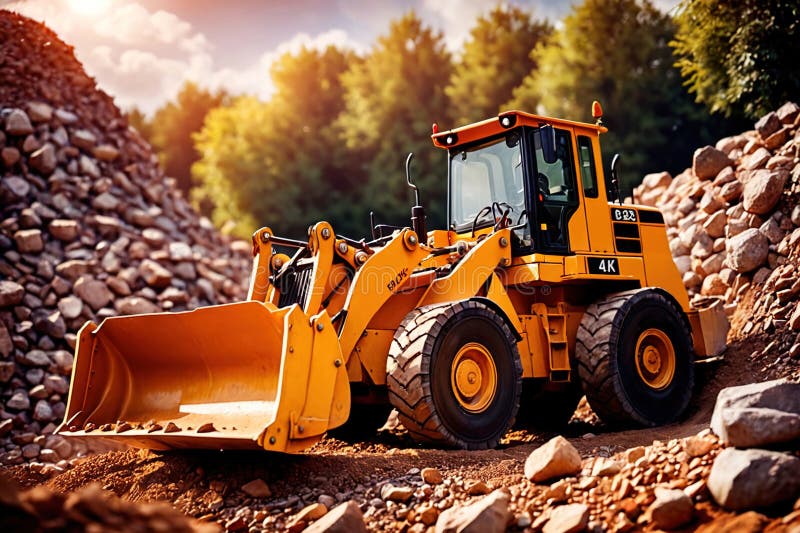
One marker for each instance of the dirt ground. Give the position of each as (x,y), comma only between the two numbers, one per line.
(206,484)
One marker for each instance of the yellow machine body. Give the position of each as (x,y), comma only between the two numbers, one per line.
(278,371)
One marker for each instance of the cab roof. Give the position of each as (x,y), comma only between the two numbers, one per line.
(501,123)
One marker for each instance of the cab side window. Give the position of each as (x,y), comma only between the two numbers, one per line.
(586,159)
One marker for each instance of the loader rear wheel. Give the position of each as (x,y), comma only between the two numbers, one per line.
(635,359)
(454,375)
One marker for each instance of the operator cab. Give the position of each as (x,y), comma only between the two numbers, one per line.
(523,178)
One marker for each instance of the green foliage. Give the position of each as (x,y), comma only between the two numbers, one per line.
(496,58)
(392,97)
(616,51)
(139,122)
(739,56)
(280,163)
(172,127)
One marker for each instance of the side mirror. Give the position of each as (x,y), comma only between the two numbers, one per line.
(408,178)
(417,211)
(548,136)
(615,179)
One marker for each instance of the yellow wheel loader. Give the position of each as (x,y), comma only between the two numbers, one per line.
(543,288)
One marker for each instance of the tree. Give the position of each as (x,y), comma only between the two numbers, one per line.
(391,99)
(172,128)
(280,163)
(616,51)
(140,123)
(496,58)
(737,56)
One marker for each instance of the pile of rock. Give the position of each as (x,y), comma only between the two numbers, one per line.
(682,484)
(90,509)
(733,221)
(89,228)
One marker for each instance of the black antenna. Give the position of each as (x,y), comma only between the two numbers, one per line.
(372,224)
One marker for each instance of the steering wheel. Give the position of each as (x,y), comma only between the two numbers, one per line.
(543,184)
(501,221)
(500,213)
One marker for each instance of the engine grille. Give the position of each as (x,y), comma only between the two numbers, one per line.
(294,284)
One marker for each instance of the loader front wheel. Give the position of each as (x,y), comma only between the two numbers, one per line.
(454,375)
(635,359)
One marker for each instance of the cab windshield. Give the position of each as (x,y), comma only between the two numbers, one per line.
(482,175)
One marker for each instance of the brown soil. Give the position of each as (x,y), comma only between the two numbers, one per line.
(206,484)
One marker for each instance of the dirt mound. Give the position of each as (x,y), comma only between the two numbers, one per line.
(91,508)
(89,228)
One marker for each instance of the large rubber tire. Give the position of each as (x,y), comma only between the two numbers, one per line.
(623,353)
(432,352)
(544,407)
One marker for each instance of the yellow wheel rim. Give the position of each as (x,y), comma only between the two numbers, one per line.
(473,377)
(655,358)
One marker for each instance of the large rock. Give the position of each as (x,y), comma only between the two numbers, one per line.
(29,241)
(671,509)
(39,111)
(135,305)
(18,123)
(556,458)
(7,345)
(345,518)
(44,160)
(748,250)
(570,518)
(487,515)
(154,274)
(708,162)
(768,124)
(84,139)
(763,190)
(751,479)
(758,414)
(788,112)
(257,489)
(11,293)
(93,292)
(64,230)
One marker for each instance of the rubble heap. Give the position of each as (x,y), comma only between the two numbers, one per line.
(91,508)
(732,220)
(89,228)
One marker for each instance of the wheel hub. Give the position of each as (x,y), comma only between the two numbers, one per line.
(655,358)
(473,377)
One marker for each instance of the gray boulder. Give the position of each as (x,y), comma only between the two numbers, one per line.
(759,414)
(763,190)
(489,514)
(748,250)
(708,162)
(751,479)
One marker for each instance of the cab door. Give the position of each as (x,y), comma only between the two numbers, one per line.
(555,193)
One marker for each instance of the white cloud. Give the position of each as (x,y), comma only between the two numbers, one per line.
(143,57)
(254,79)
(456,18)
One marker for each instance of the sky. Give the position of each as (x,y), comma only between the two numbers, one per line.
(142,51)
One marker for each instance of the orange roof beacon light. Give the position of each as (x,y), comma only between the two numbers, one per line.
(597,112)
(435,128)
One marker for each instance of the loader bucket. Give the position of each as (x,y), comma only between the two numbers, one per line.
(243,375)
